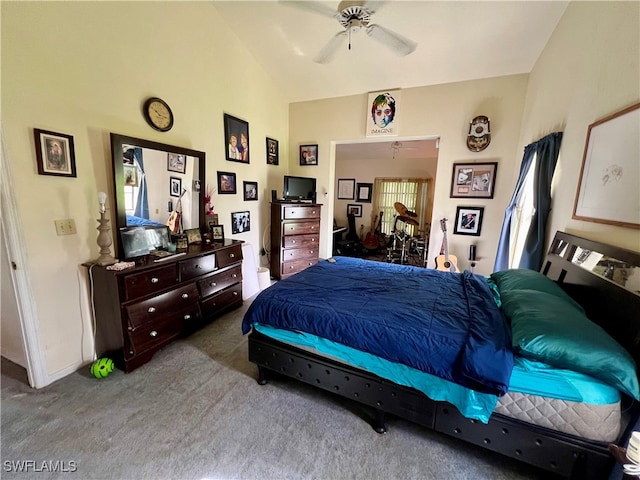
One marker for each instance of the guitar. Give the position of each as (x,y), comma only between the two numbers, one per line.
(371,241)
(175,217)
(444,261)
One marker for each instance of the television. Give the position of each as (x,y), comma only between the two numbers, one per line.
(299,188)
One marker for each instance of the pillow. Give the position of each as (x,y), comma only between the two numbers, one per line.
(522,278)
(549,329)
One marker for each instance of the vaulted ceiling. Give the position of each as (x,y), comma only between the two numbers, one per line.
(455,41)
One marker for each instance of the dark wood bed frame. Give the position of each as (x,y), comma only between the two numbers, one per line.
(605,302)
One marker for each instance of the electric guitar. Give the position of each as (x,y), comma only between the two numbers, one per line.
(444,261)
(175,217)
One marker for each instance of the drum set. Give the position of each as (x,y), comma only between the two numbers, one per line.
(403,248)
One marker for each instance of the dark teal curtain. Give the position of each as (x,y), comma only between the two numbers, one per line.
(142,205)
(545,151)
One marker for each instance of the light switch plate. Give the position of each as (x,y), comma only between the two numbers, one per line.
(66,227)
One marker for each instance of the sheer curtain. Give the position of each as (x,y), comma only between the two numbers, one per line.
(413,193)
(521,243)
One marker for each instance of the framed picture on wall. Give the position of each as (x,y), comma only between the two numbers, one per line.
(354,209)
(175,186)
(308,155)
(176,162)
(250,190)
(364,192)
(236,139)
(226,183)
(240,222)
(346,188)
(272,152)
(473,180)
(55,154)
(468,221)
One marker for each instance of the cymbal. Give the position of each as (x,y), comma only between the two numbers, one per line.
(404,211)
(408,220)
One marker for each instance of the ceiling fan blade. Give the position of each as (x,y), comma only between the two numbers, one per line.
(316,7)
(396,42)
(329,50)
(374,5)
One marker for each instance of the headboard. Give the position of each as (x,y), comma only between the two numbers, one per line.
(604,279)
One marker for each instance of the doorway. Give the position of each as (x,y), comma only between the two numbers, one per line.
(365,160)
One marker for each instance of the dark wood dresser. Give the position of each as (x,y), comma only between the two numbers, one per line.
(295,237)
(144,308)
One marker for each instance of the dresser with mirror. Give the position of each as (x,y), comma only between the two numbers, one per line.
(157,299)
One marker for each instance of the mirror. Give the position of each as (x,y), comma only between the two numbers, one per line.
(617,271)
(153,179)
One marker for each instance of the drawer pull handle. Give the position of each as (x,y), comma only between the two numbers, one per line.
(153,333)
(313,211)
(313,227)
(293,241)
(313,240)
(154,280)
(291,267)
(196,266)
(235,294)
(187,316)
(151,309)
(213,284)
(232,255)
(185,295)
(234,276)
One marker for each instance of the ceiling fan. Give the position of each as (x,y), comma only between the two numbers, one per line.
(354,16)
(397,146)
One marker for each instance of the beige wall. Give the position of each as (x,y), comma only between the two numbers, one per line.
(439,111)
(84,69)
(589,69)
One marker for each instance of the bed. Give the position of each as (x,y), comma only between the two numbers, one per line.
(465,356)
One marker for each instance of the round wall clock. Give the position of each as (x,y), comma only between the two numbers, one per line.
(479,136)
(158,114)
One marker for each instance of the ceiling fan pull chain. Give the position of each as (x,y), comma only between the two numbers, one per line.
(349,39)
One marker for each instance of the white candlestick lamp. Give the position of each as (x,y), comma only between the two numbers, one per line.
(104,237)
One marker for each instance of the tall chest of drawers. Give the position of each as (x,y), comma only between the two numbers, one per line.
(295,237)
(142,309)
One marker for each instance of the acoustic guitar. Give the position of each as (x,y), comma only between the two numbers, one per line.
(175,217)
(444,261)
(371,240)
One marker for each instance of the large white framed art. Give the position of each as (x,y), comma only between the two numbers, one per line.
(610,173)
(382,113)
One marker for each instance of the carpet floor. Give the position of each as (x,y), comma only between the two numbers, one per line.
(196,412)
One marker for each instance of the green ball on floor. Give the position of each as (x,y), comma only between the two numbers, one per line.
(102,367)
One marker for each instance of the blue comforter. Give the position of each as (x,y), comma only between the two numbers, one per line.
(446,324)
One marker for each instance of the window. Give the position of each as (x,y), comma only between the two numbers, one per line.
(412,193)
(522,216)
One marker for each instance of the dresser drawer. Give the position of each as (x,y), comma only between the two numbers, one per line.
(229,255)
(227,298)
(195,267)
(295,212)
(289,268)
(301,241)
(155,336)
(150,281)
(161,307)
(300,228)
(219,281)
(292,254)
